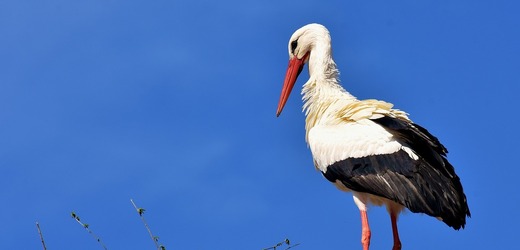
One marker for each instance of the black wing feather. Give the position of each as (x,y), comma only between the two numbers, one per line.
(427,185)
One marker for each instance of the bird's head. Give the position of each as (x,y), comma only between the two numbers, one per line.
(300,46)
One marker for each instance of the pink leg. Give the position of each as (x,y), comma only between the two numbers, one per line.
(365,230)
(397,242)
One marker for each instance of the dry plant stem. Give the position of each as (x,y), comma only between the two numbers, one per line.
(41,235)
(286,241)
(293,246)
(146,225)
(89,231)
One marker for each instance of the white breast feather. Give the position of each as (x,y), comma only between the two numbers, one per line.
(332,143)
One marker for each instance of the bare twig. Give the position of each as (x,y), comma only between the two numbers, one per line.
(41,235)
(155,239)
(286,241)
(293,246)
(86,226)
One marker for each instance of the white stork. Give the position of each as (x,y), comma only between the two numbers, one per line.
(368,148)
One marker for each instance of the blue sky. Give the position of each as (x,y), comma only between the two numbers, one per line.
(173,104)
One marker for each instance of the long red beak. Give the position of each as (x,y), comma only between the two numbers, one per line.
(293,70)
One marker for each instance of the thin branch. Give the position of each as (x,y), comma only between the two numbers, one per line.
(86,226)
(286,241)
(155,239)
(41,235)
(297,244)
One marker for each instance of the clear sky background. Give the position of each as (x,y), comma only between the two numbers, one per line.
(172,103)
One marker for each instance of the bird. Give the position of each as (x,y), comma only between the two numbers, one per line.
(367,147)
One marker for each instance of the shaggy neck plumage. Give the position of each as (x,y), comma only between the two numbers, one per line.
(322,90)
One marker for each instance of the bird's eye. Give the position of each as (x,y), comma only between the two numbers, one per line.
(294,44)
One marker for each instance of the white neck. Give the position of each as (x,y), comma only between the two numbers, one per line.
(322,91)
